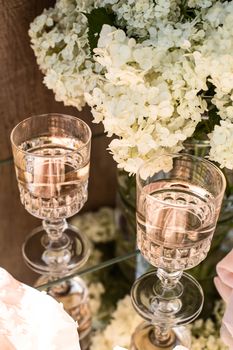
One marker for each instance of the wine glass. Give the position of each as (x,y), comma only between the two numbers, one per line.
(52,156)
(177,211)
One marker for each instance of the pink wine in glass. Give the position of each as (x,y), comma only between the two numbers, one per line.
(53,184)
(175,224)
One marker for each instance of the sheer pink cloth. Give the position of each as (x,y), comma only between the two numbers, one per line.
(32,320)
(224,285)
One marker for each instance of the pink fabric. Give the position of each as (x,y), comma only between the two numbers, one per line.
(31,320)
(224,285)
(222,288)
(5,343)
(227,324)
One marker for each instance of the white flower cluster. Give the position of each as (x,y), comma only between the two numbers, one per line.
(149,100)
(222,144)
(59,39)
(129,14)
(118,332)
(150,73)
(207,339)
(98,226)
(205,334)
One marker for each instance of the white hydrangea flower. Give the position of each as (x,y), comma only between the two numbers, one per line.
(149,73)
(221,142)
(123,323)
(59,39)
(99,226)
(160,162)
(206,334)
(144,111)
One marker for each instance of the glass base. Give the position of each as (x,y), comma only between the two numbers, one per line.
(143,338)
(73,294)
(46,257)
(178,306)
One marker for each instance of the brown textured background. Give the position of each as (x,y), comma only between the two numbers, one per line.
(22,94)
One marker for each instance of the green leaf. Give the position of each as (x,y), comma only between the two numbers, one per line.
(96,19)
(206,126)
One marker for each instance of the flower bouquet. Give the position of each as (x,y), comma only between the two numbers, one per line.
(153,72)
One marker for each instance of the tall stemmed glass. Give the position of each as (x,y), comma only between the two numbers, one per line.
(52,156)
(177,211)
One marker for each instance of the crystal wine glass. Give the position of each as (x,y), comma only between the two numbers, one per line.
(177,211)
(52,156)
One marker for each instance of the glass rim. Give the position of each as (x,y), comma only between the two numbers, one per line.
(50,115)
(175,155)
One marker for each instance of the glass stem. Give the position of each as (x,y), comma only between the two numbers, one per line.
(54,229)
(169,280)
(162,335)
(57,252)
(166,304)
